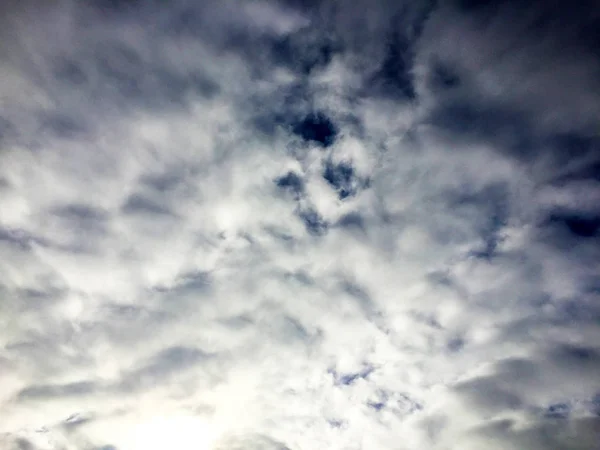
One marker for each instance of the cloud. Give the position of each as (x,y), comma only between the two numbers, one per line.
(298,225)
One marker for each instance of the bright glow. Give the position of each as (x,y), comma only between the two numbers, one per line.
(170,432)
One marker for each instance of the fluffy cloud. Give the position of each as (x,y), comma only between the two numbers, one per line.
(291,225)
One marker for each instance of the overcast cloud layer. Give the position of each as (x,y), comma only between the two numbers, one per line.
(299,225)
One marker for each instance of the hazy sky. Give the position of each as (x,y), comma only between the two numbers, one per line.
(299,225)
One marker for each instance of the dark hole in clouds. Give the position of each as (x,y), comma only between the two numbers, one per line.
(474,5)
(316,127)
(377,406)
(292,183)
(342,178)
(558,411)
(394,78)
(587,172)
(577,23)
(567,147)
(334,423)
(581,353)
(314,223)
(350,378)
(595,405)
(583,226)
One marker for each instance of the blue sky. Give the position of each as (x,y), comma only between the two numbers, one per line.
(299,224)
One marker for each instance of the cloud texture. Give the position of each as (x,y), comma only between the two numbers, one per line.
(299,225)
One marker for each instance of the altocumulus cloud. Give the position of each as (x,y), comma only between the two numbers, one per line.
(299,224)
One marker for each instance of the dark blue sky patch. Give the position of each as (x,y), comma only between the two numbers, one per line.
(595,405)
(291,183)
(475,5)
(317,128)
(575,156)
(377,406)
(558,411)
(379,402)
(314,223)
(335,423)
(394,78)
(578,225)
(342,178)
(347,379)
(587,172)
(573,146)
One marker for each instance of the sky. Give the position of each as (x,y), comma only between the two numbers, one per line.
(299,225)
